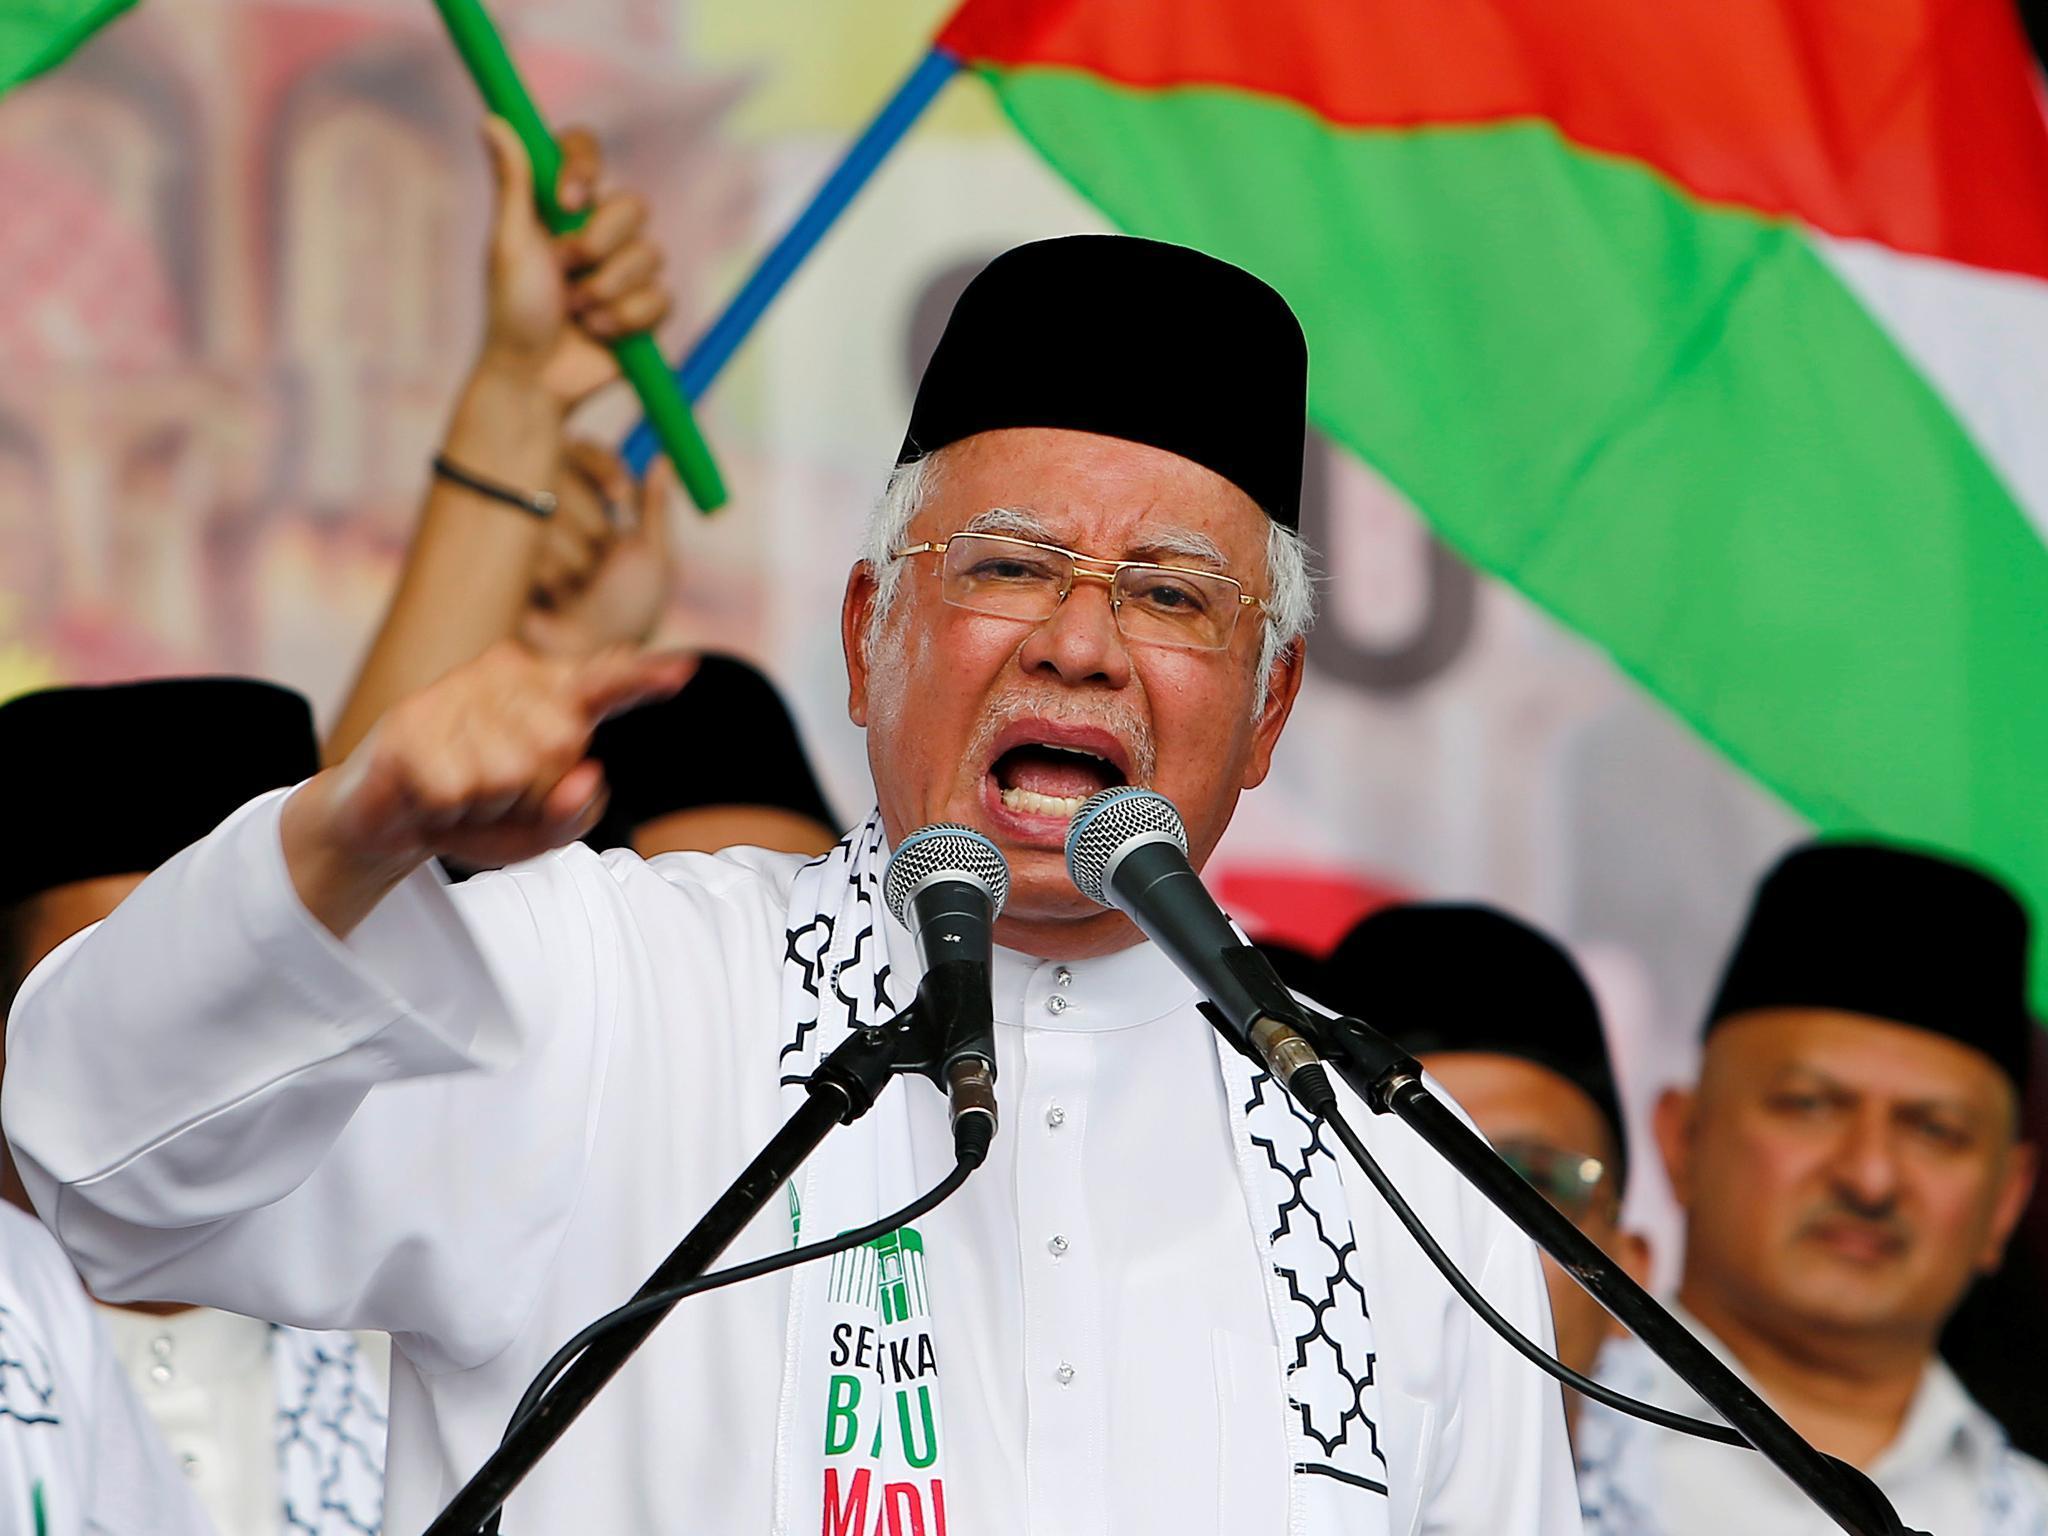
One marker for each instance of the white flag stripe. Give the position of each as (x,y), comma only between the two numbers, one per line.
(1981,341)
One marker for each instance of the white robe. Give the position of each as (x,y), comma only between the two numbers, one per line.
(1950,1470)
(484,1119)
(78,1456)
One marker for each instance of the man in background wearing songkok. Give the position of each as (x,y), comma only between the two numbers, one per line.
(1847,1164)
(670,794)
(1500,1016)
(277,1429)
(478,1117)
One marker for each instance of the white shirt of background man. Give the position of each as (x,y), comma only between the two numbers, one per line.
(78,1456)
(1951,1470)
(209,1381)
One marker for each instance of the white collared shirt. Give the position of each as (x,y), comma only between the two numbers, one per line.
(210,1383)
(206,1379)
(483,1120)
(1950,1471)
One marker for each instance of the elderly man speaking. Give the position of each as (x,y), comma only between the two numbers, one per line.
(297,1075)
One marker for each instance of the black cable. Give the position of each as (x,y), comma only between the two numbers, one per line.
(1526,1347)
(656,1301)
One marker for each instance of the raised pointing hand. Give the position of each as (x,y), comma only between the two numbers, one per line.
(487,765)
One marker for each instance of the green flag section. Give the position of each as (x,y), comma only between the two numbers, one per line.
(1716,329)
(36,35)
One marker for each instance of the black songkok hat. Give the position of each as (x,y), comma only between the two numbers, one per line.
(113,780)
(726,739)
(1911,937)
(1450,977)
(1300,970)
(1129,338)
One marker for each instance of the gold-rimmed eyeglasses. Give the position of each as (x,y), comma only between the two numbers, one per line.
(1153,604)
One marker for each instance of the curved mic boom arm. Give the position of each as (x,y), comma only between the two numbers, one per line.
(842,1088)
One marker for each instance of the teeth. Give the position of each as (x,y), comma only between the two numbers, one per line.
(1075,752)
(1028,802)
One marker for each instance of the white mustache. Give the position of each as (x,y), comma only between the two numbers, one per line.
(1125,724)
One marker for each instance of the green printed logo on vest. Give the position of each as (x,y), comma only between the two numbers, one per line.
(886,1274)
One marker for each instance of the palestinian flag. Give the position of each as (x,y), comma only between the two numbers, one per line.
(1719,329)
(36,35)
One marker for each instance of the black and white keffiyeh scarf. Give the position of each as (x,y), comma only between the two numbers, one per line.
(330,1434)
(860,1443)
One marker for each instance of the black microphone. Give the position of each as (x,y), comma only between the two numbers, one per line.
(947,884)
(1127,848)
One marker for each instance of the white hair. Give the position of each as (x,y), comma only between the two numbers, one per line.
(1289,609)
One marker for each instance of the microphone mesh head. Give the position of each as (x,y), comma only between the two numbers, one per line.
(1106,823)
(945,849)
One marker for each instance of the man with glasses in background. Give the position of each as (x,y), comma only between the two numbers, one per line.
(1499,1015)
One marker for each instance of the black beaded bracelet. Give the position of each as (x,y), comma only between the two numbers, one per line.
(539,504)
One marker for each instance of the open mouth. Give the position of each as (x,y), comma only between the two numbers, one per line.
(1052,781)
(1042,774)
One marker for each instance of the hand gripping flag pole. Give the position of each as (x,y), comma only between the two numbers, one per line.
(669,422)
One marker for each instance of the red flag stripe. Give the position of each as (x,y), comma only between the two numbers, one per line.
(1916,123)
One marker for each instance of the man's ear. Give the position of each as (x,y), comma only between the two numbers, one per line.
(854,612)
(1285,684)
(1671,1123)
(1631,1250)
(2013,1194)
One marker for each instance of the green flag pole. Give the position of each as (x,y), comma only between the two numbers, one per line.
(40,36)
(640,360)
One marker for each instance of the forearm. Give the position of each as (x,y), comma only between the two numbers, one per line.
(467,573)
(212,1100)
(146,1057)
(337,886)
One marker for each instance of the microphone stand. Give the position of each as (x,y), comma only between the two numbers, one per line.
(844,1087)
(1390,1082)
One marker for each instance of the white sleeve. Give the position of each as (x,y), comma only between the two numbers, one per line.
(213,1100)
(1503,1465)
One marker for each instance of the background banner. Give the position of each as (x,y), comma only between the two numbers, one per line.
(240,280)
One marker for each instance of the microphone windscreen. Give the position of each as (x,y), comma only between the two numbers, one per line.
(944,850)
(1107,824)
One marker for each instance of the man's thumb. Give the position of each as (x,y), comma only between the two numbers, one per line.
(511,171)
(623,677)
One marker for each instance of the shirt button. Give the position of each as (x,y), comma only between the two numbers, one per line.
(1063,977)
(1056,1004)
(1057,1247)
(189,1464)
(160,1373)
(1064,1375)
(160,1346)
(1055,1117)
